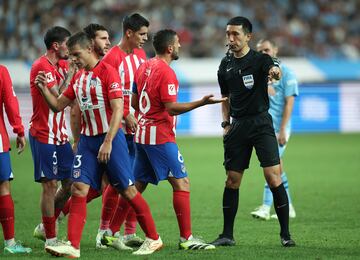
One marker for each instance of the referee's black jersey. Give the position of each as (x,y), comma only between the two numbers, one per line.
(244,80)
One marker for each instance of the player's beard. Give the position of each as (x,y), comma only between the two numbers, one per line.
(175,55)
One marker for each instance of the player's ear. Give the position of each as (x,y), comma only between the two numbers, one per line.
(55,46)
(248,36)
(170,48)
(90,47)
(128,33)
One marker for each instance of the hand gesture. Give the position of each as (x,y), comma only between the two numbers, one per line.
(131,122)
(73,68)
(104,152)
(274,73)
(20,144)
(209,99)
(282,138)
(41,81)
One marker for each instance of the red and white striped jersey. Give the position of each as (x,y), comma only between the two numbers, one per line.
(45,125)
(93,90)
(8,100)
(126,65)
(155,84)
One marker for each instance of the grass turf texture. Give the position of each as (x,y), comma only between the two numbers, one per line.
(323,172)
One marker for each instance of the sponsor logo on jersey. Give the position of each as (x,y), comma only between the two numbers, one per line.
(172,89)
(127,92)
(49,77)
(114,85)
(76,173)
(248,81)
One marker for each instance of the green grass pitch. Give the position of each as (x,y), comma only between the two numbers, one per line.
(323,172)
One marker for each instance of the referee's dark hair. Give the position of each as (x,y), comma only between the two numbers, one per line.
(162,39)
(134,22)
(55,34)
(240,20)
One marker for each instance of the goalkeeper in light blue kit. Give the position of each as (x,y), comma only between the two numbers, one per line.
(282,96)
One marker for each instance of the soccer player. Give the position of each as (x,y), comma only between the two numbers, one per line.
(96,87)
(48,135)
(157,155)
(125,58)
(101,42)
(243,75)
(282,95)
(9,101)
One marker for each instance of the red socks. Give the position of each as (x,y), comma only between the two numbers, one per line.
(130,223)
(77,219)
(181,203)
(92,194)
(49,226)
(109,205)
(120,214)
(7,216)
(144,216)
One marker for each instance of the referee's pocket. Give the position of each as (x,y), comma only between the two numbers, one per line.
(229,133)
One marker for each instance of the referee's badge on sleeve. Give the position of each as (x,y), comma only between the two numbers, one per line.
(248,81)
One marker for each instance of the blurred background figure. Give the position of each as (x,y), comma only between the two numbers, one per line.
(321,28)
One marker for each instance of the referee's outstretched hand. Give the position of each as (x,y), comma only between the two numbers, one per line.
(209,99)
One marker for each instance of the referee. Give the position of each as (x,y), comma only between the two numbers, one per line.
(243,77)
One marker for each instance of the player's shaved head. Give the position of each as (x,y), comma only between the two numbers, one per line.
(80,38)
(162,39)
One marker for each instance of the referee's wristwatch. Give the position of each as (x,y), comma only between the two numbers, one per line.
(225,124)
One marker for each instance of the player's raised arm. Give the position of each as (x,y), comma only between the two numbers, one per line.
(55,104)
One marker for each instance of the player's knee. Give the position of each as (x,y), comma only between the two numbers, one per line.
(66,186)
(79,189)
(182,184)
(232,182)
(4,188)
(50,187)
(129,193)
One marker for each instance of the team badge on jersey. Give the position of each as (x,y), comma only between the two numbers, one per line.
(172,89)
(55,169)
(49,77)
(93,83)
(76,173)
(248,81)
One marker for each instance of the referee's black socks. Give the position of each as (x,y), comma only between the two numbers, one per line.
(281,205)
(230,207)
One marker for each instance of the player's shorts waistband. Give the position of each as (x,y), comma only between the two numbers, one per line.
(235,119)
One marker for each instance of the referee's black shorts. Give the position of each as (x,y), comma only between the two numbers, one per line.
(244,134)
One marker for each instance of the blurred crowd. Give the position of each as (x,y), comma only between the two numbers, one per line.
(303,28)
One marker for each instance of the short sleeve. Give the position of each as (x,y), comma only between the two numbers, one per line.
(50,73)
(268,63)
(221,77)
(290,82)
(113,84)
(169,87)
